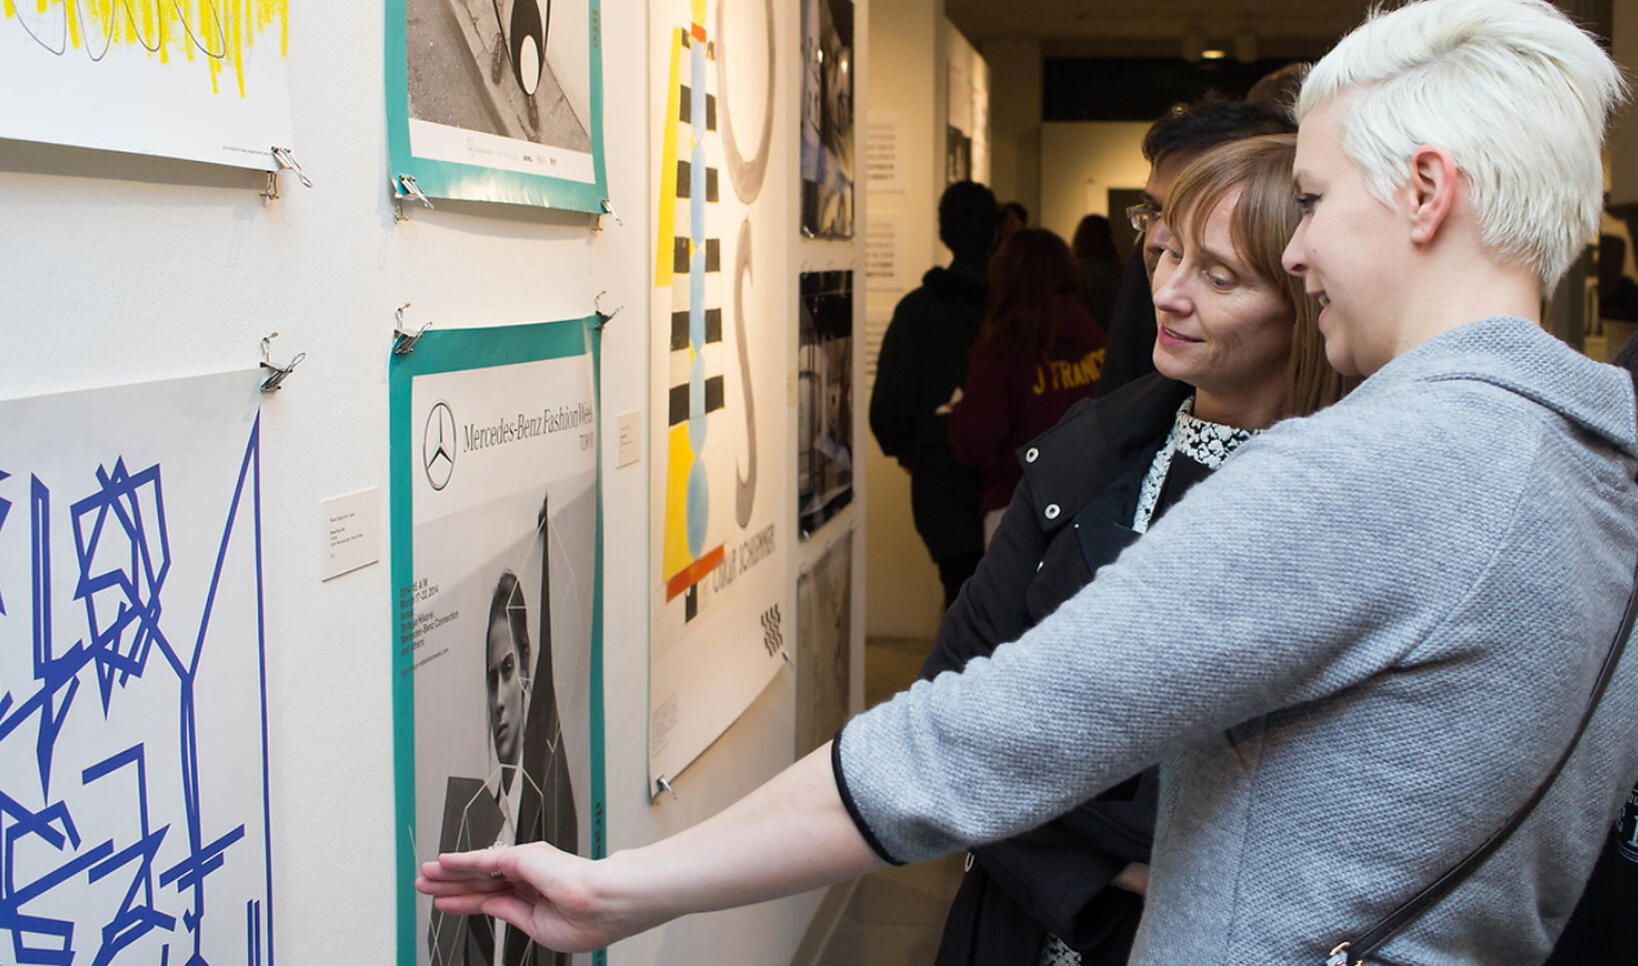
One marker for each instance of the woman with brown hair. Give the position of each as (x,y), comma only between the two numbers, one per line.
(1037,354)
(1237,349)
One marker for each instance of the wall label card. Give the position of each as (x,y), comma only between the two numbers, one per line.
(352,531)
(497,684)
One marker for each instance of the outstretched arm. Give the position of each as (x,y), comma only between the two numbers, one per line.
(791,835)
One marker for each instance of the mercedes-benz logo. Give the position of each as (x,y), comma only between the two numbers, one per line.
(438,446)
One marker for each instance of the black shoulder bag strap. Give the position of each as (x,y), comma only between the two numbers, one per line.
(1353,952)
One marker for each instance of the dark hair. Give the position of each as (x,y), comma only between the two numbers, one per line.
(1032,290)
(967,216)
(1279,88)
(1093,239)
(1210,121)
(1017,209)
(507,604)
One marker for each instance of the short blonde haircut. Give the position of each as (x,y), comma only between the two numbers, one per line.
(1515,92)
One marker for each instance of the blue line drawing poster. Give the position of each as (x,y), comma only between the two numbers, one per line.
(133,691)
(496,685)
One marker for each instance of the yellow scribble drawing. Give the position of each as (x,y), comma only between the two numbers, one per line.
(217,32)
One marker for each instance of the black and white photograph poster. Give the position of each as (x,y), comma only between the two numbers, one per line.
(494,508)
(827,118)
(497,100)
(824,422)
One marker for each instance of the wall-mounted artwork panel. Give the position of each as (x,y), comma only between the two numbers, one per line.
(718,546)
(497,671)
(133,716)
(827,118)
(497,100)
(200,81)
(824,386)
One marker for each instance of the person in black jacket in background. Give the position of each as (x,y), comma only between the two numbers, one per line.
(1239,336)
(923,360)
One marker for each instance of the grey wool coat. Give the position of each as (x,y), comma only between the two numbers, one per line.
(1355,649)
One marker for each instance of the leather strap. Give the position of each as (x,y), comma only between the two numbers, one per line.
(1354,952)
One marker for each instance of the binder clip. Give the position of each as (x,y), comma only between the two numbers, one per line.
(283,160)
(276,374)
(406,187)
(403,340)
(604,318)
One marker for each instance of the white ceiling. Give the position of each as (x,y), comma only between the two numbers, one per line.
(1156,27)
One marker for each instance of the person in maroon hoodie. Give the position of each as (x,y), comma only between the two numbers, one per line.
(1037,353)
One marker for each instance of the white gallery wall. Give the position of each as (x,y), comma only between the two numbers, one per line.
(906,82)
(120,268)
(1080,162)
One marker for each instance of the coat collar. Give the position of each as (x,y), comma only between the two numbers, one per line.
(1094,442)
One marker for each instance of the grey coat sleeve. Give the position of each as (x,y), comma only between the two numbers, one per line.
(1272,583)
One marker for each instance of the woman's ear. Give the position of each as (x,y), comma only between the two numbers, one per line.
(1432,189)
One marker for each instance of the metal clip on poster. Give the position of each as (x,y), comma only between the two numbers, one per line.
(604,318)
(407,188)
(284,160)
(662,785)
(403,340)
(608,209)
(276,374)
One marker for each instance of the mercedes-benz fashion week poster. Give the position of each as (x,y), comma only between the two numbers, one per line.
(133,687)
(497,686)
(720,603)
(497,100)
(203,81)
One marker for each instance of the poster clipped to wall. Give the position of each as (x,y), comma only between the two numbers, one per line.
(497,684)
(133,714)
(201,81)
(827,118)
(718,605)
(824,646)
(497,100)
(824,424)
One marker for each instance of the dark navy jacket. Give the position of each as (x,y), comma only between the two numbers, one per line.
(1070,515)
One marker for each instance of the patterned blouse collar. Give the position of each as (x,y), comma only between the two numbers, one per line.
(1208,444)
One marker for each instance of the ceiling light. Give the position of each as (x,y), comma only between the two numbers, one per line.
(1213,54)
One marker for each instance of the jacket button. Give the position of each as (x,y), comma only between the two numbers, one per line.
(1031,455)
(1051,511)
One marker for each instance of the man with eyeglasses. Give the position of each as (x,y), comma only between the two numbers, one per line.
(1183,134)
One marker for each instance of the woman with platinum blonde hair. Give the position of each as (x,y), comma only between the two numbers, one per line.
(1358,650)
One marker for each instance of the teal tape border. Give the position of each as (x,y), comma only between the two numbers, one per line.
(452,350)
(471,182)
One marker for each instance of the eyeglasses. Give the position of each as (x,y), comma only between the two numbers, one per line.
(1142,216)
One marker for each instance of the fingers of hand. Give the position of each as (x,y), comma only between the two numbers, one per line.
(456,887)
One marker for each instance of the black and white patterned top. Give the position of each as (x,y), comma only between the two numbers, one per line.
(1055,953)
(1208,444)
